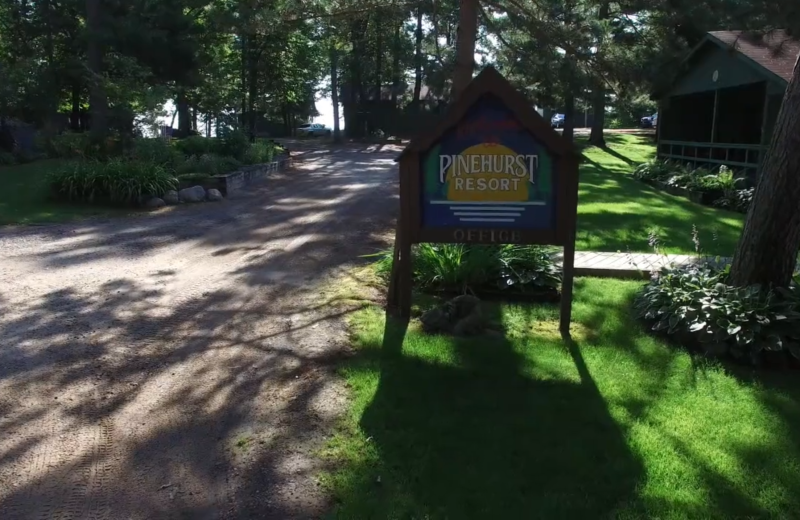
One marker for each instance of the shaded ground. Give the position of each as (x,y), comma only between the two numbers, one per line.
(177,365)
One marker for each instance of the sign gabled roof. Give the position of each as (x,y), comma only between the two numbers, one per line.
(490,81)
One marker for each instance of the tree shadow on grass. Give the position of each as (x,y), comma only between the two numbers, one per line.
(473,428)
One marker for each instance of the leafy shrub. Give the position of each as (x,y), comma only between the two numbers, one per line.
(695,304)
(458,267)
(73,145)
(7,158)
(233,143)
(259,152)
(653,170)
(197,145)
(209,164)
(198,178)
(118,181)
(156,151)
(736,200)
(708,181)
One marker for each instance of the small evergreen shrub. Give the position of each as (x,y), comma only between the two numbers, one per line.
(260,152)
(156,151)
(197,145)
(115,182)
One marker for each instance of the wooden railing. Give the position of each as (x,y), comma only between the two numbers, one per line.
(748,156)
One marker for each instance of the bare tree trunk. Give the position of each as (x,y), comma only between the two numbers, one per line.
(599,100)
(184,116)
(396,63)
(98,101)
(569,117)
(337,134)
(418,58)
(465,45)
(378,57)
(599,110)
(75,114)
(767,250)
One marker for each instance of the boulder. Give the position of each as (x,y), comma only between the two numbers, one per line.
(154,203)
(193,194)
(214,195)
(171,197)
(461,316)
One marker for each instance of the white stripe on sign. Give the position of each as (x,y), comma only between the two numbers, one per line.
(513,203)
(486,219)
(485,214)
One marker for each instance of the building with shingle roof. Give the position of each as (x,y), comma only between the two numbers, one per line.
(722,105)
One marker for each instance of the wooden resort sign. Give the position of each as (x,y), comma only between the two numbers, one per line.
(493,172)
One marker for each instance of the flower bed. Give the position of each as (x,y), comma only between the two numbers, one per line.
(693,306)
(719,189)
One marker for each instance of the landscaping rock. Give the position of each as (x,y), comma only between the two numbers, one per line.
(193,194)
(154,203)
(214,195)
(171,197)
(460,316)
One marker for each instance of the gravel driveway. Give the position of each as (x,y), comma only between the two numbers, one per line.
(180,364)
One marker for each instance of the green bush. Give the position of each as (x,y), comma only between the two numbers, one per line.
(260,152)
(7,158)
(209,164)
(705,180)
(736,200)
(73,145)
(116,182)
(654,170)
(233,143)
(459,267)
(696,304)
(198,178)
(197,145)
(156,151)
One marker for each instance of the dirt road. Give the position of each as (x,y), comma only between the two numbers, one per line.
(179,364)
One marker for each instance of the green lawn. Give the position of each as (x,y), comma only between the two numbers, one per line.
(617,212)
(522,425)
(23,197)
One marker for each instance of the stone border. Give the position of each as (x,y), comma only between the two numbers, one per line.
(231,183)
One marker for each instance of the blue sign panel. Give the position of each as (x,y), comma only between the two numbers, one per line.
(488,172)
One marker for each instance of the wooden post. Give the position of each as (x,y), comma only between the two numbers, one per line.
(714,115)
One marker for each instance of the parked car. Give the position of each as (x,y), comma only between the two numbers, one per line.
(649,121)
(557,121)
(313,130)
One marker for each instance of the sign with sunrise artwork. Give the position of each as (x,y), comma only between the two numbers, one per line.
(488,172)
(492,171)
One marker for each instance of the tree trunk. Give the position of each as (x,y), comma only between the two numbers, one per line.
(599,100)
(184,117)
(243,79)
(378,58)
(98,101)
(569,117)
(465,45)
(252,93)
(337,137)
(194,119)
(599,110)
(418,58)
(767,250)
(75,113)
(396,64)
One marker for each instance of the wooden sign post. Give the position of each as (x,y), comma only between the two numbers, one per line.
(492,171)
